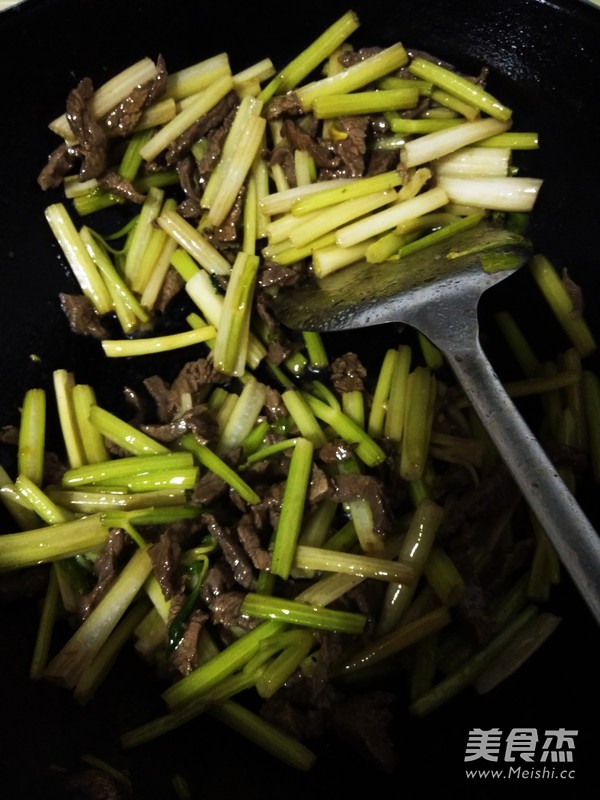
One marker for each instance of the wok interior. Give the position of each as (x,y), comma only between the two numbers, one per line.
(541,60)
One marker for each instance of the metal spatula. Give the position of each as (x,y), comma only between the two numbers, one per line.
(437,291)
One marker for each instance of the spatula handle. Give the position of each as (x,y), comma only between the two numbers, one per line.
(575,540)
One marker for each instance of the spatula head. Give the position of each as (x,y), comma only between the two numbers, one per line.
(457,270)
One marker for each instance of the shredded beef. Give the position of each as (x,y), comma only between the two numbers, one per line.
(348,373)
(82,316)
(88,133)
(116,184)
(61,162)
(124,118)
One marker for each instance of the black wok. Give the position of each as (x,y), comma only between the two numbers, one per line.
(544,60)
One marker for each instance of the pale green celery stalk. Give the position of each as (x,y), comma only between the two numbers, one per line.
(96,671)
(159,272)
(365,102)
(316,526)
(430,146)
(259,177)
(285,253)
(155,593)
(354,77)
(231,341)
(358,564)
(292,508)
(283,202)
(420,401)
(132,159)
(496,194)
(514,140)
(380,395)
(328,589)
(94,446)
(265,735)
(398,640)
(460,87)
(212,462)
(63,384)
(546,382)
(414,552)
(297,613)
(442,234)
(95,200)
(420,127)
(156,515)
(114,468)
(353,405)
(304,167)
(340,214)
(423,669)
(303,417)
(46,509)
(278,230)
(254,441)
(545,565)
(224,663)
(298,644)
(70,663)
(560,301)
(475,162)
(95,499)
(360,187)
(195,78)
(570,361)
(149,212)
(201,104)
(84,269)
(235,169)
(270,450)
(244,416)
(519,344)
(124,434)
(454,103)
(182,478)
(367,448)
(126,348)
(330,259)
(317,354)
(254,74)
(443,576)
(250,216)
(390,217)
(344,539)
(43,640)
(210,301)
(395,411)
(361,513)
(454,683)
(126,305)
(32,436)
(151,254)
(312,56)
(424,88)
(432,355)
(228,687)
(15,504)
(193,242)
(110,94)
(590,385)
(51,542)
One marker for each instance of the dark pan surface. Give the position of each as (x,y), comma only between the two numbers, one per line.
(544,60)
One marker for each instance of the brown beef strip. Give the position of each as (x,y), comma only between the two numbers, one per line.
(82,316)
(234,553)
(124,118)
(87,131)
(214,118)
(62,161)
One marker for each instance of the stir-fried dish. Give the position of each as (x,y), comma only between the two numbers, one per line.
(285,519)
